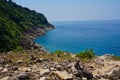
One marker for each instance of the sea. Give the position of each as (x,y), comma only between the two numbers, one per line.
(102,36)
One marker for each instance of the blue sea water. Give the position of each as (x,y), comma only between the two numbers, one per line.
(101,36)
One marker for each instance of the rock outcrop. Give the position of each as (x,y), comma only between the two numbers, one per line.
(100,68)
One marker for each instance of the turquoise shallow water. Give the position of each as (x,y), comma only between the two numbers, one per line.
(101,36)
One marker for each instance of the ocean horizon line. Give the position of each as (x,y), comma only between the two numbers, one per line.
(86,20)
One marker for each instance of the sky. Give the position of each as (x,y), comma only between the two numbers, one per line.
(75,10)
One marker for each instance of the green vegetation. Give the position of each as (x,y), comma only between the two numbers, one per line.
(86,54)
(14,21)
(58,52)
(116,57)
(60,55)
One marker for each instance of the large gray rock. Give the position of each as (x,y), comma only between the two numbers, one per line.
(52,69)
(2,61)
(5,78)
(44,71)
(58,67)
(24,69)
(40,60)
(42,78)
(23,77)
(87,73)
(1,68)
(20,61)
(14,68)
(70,65)
(63,75)
(77,65)
(105,57)
(32,57)
(113,74)
(77,70)
(4,70)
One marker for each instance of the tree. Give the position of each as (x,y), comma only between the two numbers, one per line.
(10,1)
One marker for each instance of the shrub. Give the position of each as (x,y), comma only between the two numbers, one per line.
(116,57)
(58,52)
(86,54)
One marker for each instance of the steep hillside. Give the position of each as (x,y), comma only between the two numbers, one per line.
(16,20)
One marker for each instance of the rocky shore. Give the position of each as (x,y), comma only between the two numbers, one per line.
(32,66)
(27,43)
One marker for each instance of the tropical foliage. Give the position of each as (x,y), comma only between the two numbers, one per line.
(14,21)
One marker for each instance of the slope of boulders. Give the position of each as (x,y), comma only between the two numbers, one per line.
(31,66)
(105,67)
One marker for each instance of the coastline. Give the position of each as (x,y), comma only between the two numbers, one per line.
(76,36)
(27,42)
(35,63)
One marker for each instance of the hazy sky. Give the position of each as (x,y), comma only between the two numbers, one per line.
(69,10)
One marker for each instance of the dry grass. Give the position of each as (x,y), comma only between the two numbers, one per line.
(25,56)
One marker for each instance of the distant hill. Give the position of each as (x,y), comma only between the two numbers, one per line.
(15,20)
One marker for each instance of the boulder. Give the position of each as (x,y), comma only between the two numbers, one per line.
(23,77)
(58,67)
(63,75)
(77,70)
(4,70)
(70,65)
(77,65)
(78,73)
(14,68)
(42,78)
(1,68)
(113,74)
(38,60)
(24,69)
(105,57)
(2,61)
(19,61)
(41,59)
(84,78)
(33,57)
(52,69)
(86,73)
(44,71)
(7,65)
(5,78)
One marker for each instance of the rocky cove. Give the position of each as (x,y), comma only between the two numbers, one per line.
(36,63)
(27,42)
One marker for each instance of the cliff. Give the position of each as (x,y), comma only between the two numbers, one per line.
(17,21)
